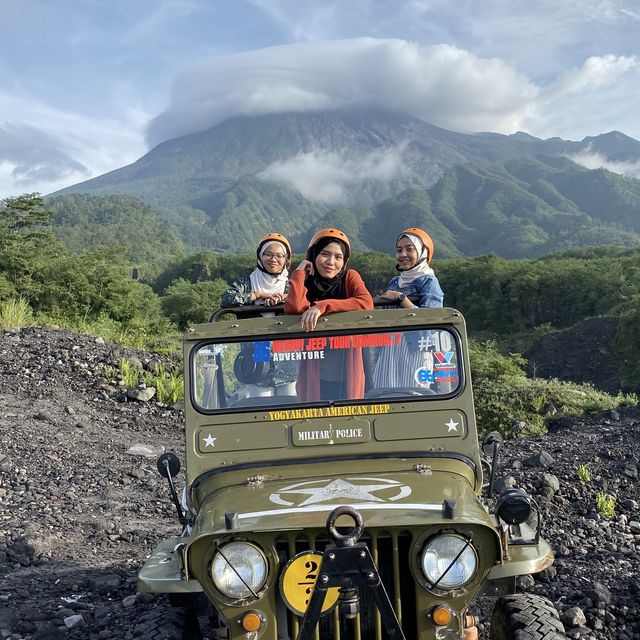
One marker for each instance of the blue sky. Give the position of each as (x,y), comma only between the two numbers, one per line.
(87,86)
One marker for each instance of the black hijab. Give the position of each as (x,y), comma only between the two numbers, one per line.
(319,288)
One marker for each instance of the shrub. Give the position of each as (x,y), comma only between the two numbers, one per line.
(169,385)
(504,395)
(15,313)
(584,473)
(605,504)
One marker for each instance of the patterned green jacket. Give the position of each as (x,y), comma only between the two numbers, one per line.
(240,293)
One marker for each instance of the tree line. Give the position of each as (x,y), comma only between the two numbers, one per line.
(498,297)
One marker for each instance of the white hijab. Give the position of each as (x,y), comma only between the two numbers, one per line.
(266,282)
(421,268)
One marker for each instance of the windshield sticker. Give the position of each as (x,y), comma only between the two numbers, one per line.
(302,494)
(314,348)
(424,376)
(444,369)
(329,412)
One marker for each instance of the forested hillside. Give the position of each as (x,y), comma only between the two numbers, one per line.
(511,302)
(522,208)
(371,172)
(84,222)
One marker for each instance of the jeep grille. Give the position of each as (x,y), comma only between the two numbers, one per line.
(390,552)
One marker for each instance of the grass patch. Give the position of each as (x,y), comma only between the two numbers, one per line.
(504,395)
(133,334)
(584,473)
(15,313)
(169,385)
(605,505)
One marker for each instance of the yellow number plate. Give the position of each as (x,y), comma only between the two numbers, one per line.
(298,580)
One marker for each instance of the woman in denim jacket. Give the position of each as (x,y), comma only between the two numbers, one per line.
(396,366)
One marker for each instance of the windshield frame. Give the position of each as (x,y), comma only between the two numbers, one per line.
(452,330)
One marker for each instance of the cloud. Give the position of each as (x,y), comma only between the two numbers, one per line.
(324,176)
(51,148)
(593,160)
(594,73)
(34,155)
(441,84)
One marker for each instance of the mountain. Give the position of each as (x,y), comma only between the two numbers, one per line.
(525,207)
(222,188)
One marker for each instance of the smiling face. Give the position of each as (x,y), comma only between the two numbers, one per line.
(406,253)
(274,258)
(330,260)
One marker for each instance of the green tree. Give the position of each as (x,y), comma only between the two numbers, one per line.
(187,303)
(23,220)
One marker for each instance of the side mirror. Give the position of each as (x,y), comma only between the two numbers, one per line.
(491,443)
(168,465)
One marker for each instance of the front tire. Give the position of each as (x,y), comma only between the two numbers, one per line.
(168,623)
(525,616)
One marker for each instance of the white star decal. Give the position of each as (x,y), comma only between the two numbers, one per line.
(453,426)
(209,441)
(340,490)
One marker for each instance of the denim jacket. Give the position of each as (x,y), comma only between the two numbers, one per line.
(425,289)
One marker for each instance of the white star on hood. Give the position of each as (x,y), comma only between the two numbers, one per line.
(340,490)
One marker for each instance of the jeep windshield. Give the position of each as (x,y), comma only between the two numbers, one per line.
(325,368)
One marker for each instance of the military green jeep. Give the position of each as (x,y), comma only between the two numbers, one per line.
(336,488)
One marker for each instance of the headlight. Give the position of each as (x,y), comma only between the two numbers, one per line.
(445,550)
(239,570)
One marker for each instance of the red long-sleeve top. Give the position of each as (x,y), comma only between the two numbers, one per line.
(356,297)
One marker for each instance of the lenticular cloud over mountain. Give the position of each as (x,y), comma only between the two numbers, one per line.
(441,84)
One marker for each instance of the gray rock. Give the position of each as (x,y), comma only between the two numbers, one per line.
(129,601)
(5,464)
(634,526)
(551,481)
(136,363)
(107,582)
(73,621)
(146,450)
(504,483)
(573,617)
(49,632)
(600,593)
(631,469)
(542,459)
(142,395)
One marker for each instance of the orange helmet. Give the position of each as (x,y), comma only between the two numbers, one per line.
(423,235)
(336,234)
(274,237)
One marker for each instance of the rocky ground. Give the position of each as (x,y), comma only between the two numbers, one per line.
(81,504)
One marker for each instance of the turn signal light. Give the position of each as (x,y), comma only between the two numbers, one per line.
(441,615)
(252,621)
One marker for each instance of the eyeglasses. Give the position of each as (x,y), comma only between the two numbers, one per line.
(277,256)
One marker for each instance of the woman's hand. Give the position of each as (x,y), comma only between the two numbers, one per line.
(399,297)
(306,266)
(309,319)
(272,299)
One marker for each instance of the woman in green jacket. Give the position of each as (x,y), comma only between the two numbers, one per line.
(268,283)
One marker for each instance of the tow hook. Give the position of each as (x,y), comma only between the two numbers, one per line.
(348,564)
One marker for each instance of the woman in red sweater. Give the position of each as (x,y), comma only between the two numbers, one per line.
(322,284)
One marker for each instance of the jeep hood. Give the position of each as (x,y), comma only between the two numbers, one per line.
(403,499)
